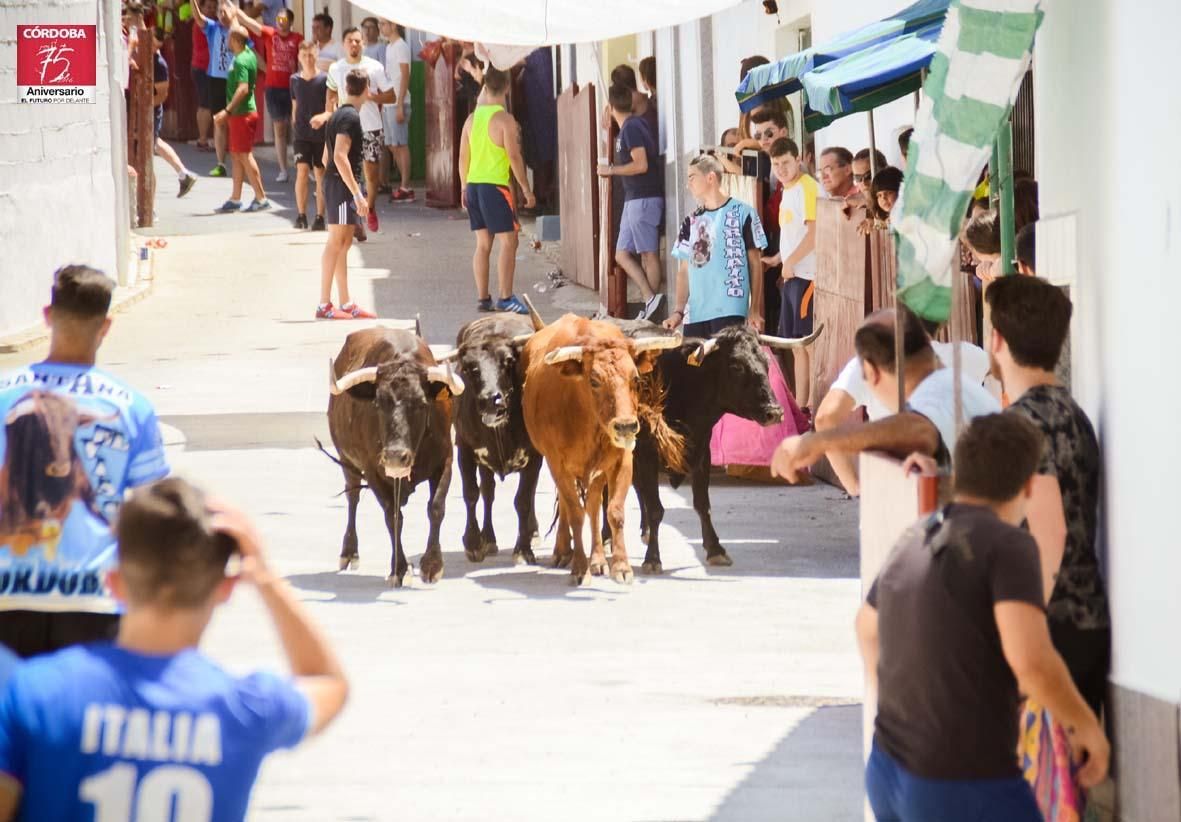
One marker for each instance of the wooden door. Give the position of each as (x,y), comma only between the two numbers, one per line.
(578,186)
(442,138)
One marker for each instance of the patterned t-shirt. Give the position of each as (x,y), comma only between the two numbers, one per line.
(1072,455)
(715,244)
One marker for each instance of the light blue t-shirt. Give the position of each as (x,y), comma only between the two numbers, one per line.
(715,244)
(74,440)
(97,732)
(220,56)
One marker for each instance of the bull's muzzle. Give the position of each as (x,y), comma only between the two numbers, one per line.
(493,409)
(624,431)
(397,463)
(772,414)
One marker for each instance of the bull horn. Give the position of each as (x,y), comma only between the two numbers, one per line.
(449,356)
(534,317)
(337,387)
(564,354)
(792,342)
(657,343)
(702,351)
(522,338)
(444,374)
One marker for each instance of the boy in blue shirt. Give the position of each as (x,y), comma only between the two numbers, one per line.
(73,440)
(149,722)
(720,279)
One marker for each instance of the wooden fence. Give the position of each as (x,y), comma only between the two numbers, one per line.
(578,186)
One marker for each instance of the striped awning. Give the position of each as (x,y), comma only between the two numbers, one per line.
(973,80)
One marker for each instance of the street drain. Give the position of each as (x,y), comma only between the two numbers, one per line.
(785,701)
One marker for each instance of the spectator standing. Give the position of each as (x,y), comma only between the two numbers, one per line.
(396,118)
(982,236)
(371,35)
(280,47)
(489,148)
(111,443)
(221,59)
(642,107)
(265,10)
(863,173)
(149,721)
(884,192)
(309,93)
(836,172)
(720,276)
(925,425)
(904,143)
(200,71)
(380,92)
(648,88)
(328,50)
(344,199)
(1026,248)
(160,86)
(796,259)
(243,120)
(643,200)
(952,631)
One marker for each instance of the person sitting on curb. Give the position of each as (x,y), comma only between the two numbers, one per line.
(952,632)
(149,721)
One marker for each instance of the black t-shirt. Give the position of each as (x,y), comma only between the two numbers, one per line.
(947,699)
(1072,456)
(310,99)
(345,120)
(634,133)
(159,75)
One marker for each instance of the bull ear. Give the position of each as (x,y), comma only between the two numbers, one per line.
(570,368)
(363,391)
(644,363)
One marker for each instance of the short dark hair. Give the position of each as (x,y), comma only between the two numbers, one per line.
(1032,316)
(324,19)
(784,145)
(368,20)
(495,80)
(983,232)
(887,179)
(769,114)
(620,98)
(879,158)
(904,140)
(874,340)
(648,72)
(624,75)
(169,552)
(355,82)
(1027,245)
(349,31)
(995,455)
(81,291)
(748,63)
(1025,207)
(843,155)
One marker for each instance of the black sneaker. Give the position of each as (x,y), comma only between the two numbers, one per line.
(301,221)
(318,223)
(186,185)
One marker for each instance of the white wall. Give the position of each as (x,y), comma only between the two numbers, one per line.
(1100,147)
(57,185)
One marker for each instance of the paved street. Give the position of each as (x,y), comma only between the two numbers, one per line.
(502,693)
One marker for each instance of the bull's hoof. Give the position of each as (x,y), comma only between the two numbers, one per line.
(395,581)
(579,580)
(524,556)
(650,567)
(721,560)
(474,555)
(489,547)
(430,569)
(623,574)
(563,560)
(350,563)
(598,567)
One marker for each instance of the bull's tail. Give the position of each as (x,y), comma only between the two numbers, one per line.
(554,523)
(338,461)
(670,444)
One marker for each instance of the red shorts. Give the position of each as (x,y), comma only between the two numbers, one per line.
(243,128)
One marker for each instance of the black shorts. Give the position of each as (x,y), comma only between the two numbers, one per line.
(28,633)
(201,82)
(1087,654)
(339,207)
(795,311)
(279,103)
(707,328)
(309,153)
(217,94)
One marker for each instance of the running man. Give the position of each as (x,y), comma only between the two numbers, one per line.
(309,94)
(160,86)
(489,148)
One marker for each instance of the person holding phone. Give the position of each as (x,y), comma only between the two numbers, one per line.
(149,721)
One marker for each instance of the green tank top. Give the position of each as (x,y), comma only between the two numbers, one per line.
(488,161)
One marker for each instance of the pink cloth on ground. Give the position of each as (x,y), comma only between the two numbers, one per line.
(736,441)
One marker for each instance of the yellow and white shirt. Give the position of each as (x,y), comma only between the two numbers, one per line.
(797,208)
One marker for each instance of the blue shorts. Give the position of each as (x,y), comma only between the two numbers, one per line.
(898,796)
(396,134)
(490,208)
(639,225)
(795,310)
(279,103)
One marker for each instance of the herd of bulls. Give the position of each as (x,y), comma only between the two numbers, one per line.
(607,404)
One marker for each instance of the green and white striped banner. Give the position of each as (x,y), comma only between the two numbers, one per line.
(983,53)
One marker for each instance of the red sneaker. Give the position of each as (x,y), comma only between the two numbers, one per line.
(355,312)
(372,221)
(328,312)
(402,195)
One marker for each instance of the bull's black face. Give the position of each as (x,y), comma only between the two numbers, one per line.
(404,399)
(743,385)
(490,373)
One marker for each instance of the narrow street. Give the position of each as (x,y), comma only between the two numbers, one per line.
(502,693)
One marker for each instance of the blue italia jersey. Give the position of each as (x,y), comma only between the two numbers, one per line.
(74,440)
(97,733)
(715,243)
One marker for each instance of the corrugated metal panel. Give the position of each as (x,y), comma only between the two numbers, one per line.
(1023,136)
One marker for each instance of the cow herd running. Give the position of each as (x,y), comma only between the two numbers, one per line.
(605,403)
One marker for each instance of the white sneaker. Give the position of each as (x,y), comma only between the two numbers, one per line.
(651,306)
(282,177)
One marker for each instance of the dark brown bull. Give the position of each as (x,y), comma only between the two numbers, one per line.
(583,415)
(42,475)
(390,419)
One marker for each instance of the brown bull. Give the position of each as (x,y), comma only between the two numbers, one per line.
(583,415)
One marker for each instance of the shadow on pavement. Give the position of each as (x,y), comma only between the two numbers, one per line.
(814,774)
